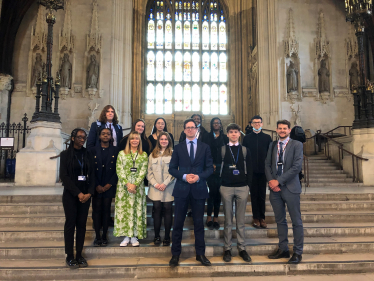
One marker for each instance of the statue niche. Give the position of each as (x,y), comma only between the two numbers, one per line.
(292,78)
(354,79)
(37,70)
(66,72)
(92,73)
(323,78)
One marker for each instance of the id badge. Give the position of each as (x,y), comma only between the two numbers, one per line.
(133,170)
(232,167)
(81,178)
(236,172)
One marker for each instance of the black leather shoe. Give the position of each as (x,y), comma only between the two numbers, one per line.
(244,255)
(203,260)
(157,240)
(82,262)
(72,263)
(166,242)
(216,225)
(104,242)
(209,224)
(279,254)
(295,259)
(227,256)
(174,261)
(97,242)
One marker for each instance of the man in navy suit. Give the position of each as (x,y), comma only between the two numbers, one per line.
(191,164)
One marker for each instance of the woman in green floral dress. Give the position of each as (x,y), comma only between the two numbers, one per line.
(130,207)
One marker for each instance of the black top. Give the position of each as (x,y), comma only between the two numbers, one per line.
(228,178)
(154,142)
(215,144)
(70,177)
(145,145)
(258,144)
(200,138)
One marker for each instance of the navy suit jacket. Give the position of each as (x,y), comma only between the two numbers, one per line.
(202,166)
(93,135)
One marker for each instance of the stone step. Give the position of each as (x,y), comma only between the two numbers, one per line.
(43,234)
(320,217)
(318,168)
(334,173)
(330,180)
(128,267)
(312,160)
(335,185)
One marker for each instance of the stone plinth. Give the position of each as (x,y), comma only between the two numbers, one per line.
(34,166)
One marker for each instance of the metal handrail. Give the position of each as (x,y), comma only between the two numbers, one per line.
(345,130)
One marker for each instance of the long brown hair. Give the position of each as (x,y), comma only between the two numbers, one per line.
(102,117)
(143,137)
(168,151)
(133,135)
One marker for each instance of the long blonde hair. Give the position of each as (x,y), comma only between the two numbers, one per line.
(133,135)
(168,151)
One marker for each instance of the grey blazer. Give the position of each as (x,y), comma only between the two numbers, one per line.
(293,161)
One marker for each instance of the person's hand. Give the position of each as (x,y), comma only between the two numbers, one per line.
(192,179)
(131,188)
(106,187)
(81,196)
(99,189)
(189,178)
(273,183)
(162,187)
(157,186)
(275,188)
(86,198)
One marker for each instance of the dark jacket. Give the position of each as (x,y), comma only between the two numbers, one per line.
(93,136)
(215,144)
(145,145)
(200,138)
(258,144)
(70,181)
(109,175)
(202,166)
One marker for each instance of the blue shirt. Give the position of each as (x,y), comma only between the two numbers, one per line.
(188,150)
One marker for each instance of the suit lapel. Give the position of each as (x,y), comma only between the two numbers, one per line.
(275,156)
(184,149)
(198,149)
(286,152)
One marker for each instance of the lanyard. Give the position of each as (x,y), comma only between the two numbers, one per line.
(133,161)
(80,163)
(284,148)
(232,154)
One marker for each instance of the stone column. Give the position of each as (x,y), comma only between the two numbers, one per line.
(5,86)
(121,60)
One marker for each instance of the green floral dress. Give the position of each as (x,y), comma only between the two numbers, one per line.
(130,217)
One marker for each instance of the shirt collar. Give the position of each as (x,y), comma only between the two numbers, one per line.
(194,141)
(234,144)
(284,141)
(109,123)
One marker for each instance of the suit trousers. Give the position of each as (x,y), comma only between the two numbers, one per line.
(278,201)
(258,195)
(180,211)
(75,218)
(240,196)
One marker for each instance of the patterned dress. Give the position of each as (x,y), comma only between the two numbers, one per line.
(131,209)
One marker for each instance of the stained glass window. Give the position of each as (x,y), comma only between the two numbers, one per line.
(186,59)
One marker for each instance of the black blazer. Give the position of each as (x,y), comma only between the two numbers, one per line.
(202,166)
(201,135)
(93,136)
(110,165)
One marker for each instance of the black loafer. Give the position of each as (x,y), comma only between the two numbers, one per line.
(244,255)
(157,240)
(72,263)
(97,242)
(216,225)
(174,261)
(295,259)
(209,224)
(166,242)
(227,256)
(279,254)
(104,242)
(204,261)
(82,262)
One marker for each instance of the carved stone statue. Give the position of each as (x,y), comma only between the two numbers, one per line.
(354,76)
(92,73)
(297,115)
(323,78)
(292,78)
(37,69)
(66,72)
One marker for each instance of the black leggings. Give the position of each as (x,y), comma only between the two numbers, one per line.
(214,199)
(164,208)
(101,215)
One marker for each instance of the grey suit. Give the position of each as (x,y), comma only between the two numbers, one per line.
(290,186)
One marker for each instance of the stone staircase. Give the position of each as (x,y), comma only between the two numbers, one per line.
(339,238)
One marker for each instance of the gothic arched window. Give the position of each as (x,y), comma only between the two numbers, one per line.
(186,57)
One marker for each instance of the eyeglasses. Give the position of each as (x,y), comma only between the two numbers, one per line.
(216,123)
(190,128)
(256,122)
(81,138)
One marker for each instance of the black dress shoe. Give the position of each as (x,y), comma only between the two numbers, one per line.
(104,242)
(166,242)
(279,254)
(157,240)
(244,255)
(209,224)
(203,260)
(227,256)
(97,242)
(82,262)
(72,263)
(174,261)
(295,259)
(216,225)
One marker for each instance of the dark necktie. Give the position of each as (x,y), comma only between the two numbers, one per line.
(280,159)
(192,156)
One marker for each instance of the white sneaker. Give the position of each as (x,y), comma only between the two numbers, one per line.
(125,242)
(134,242)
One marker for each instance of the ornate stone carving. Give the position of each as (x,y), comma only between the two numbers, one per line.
(354,79)
(351,60)
(37,69)
(292,78)
(66,38)
(323,78)
(291,45)
(94,38)
(252,75)
(310,92)
(297,121)
(5,82)
(322,44)
(92,73)
(92,106)
(20,87)
(343,93)
(66,72)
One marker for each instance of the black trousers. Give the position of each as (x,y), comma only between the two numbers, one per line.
(101,209)
(159,209)
(258,195)
(75,218)
(214,200)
